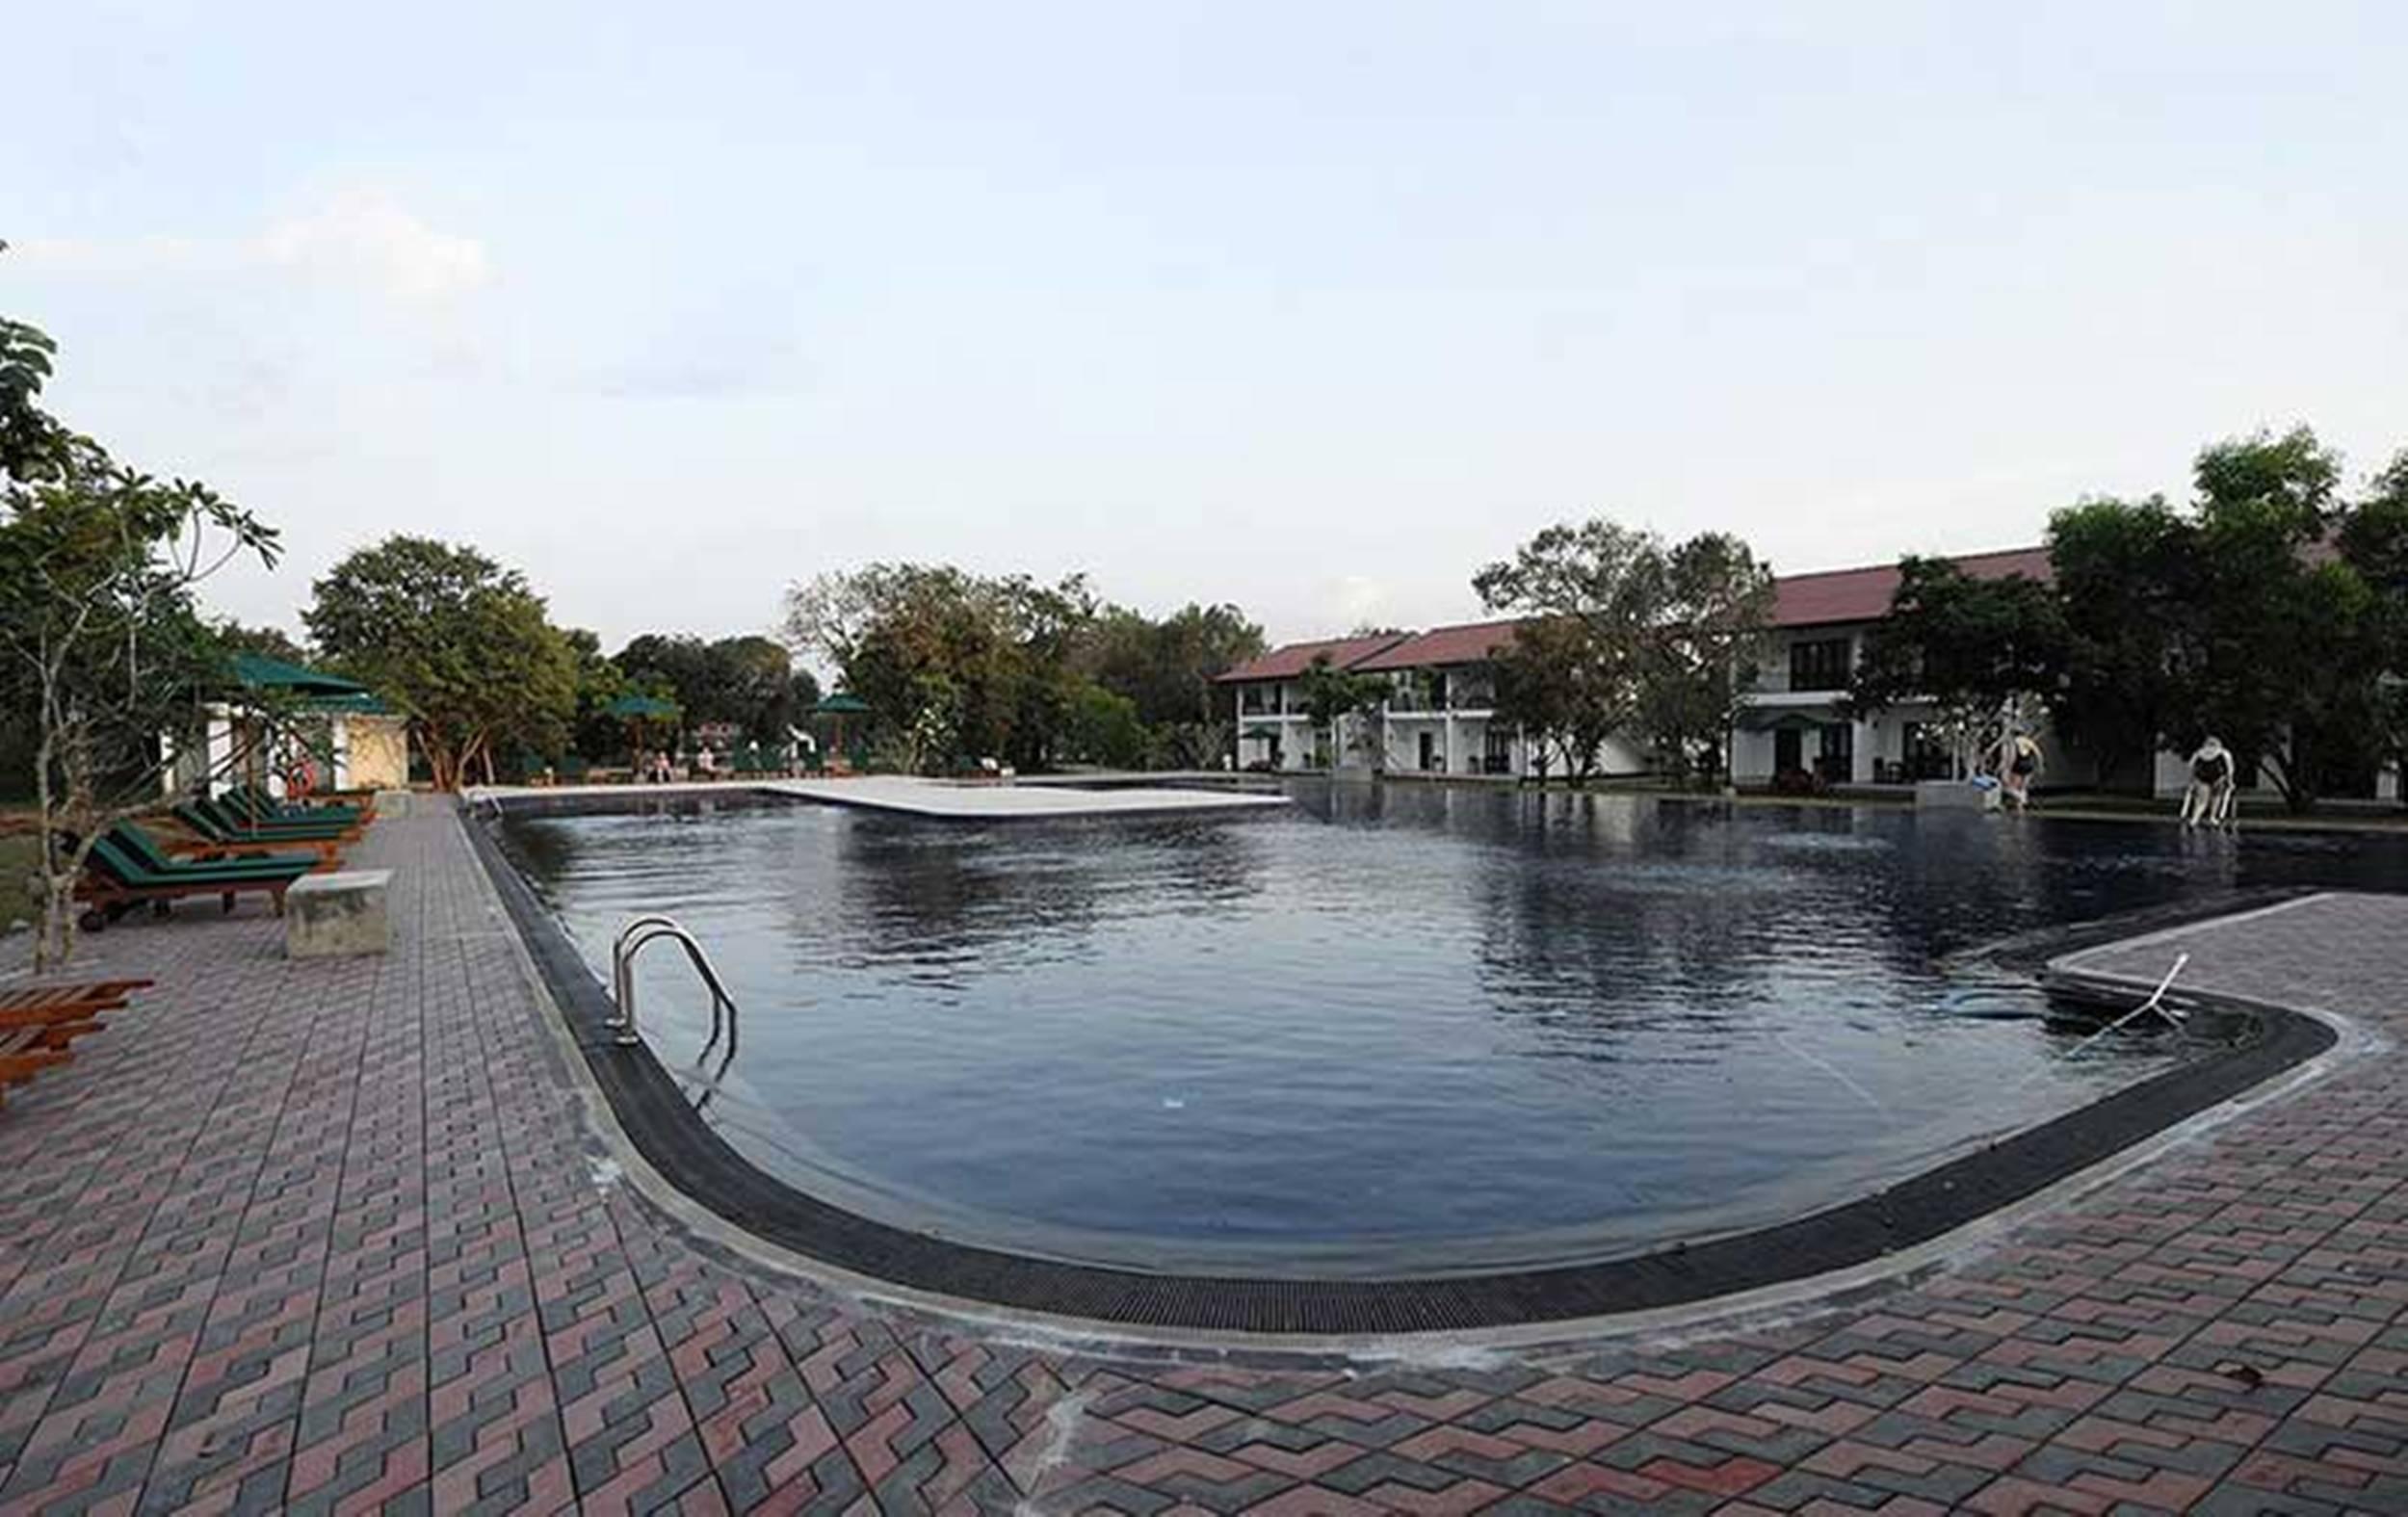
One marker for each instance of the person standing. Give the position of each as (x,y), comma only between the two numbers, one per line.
(2018,760)
(2208,796)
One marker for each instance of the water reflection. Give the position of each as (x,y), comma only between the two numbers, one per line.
(1404,1022)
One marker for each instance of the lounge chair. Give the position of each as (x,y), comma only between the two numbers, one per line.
(241,824)
(55,1027)
(24,1053)
(252,805)
(92,995)
(116,875)
(211,839)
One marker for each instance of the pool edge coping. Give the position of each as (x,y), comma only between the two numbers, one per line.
(2340,1041)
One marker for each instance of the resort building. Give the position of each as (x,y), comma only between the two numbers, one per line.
(1793,730)
(1439,718)
(1794,727)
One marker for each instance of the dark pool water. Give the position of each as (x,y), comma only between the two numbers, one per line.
(1400,1028)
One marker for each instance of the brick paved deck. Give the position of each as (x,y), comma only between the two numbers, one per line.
(330,1236)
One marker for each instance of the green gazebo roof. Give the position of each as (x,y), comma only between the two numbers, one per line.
(262,672)
(631,708)
(843,703)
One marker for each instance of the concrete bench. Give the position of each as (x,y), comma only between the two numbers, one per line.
(333,916)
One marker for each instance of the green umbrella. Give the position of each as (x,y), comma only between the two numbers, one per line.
(642,708)
(636,709)
(840,705)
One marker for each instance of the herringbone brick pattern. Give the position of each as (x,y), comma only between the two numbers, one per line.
(331,1238)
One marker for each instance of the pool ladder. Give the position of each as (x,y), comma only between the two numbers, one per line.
(631,940)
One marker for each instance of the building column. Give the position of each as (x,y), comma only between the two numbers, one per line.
(1860,769)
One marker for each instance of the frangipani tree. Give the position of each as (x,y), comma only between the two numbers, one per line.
(100,637)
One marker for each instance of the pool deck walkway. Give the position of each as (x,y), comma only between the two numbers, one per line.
(944,799)
(334,1235)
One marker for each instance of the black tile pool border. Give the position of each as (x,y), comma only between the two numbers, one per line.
(657,1117)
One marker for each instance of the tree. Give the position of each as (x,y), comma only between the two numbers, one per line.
(744,682)
(1332,695)
(1714,602)
(1569,686)
(2126,584)
(2283,651)
(1623,631)
(273,642)
(1105,728)
(458,643)
(1166,669)
(99,630)
(2375,542)
(1973,647)
(954,666)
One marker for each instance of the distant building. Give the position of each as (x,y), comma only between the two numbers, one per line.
(1793,721)
(1793,725)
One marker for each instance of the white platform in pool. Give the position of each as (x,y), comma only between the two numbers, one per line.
(970,802)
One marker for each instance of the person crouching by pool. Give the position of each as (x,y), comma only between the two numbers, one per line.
(2208,796)
(2018,763)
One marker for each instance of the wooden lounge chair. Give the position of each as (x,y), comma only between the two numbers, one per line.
(136,840)
(54,1028)
(24,1053)
(93,995)
(210,839)
(115,878)
(252,806)
(238,824)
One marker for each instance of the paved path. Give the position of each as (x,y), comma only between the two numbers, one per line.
(950,802)
(327,1235)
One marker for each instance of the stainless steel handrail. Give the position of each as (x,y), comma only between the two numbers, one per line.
(629,941)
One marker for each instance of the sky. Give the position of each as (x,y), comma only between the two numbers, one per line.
(1314,309)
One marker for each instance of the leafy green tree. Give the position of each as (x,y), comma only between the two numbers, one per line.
(273,642)
(2126,580)
(462,645)
(32,442)
(744,682)
(1167,668)
(1621,631)
(1333,696)
(2375,542)
(954,666)
(1975,648)
(1105,729)
(100,637)
(2284,646)
(1715,603)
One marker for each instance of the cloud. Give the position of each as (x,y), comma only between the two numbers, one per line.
(362,236)
(368,235)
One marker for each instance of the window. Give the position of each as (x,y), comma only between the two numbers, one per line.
(1822,664)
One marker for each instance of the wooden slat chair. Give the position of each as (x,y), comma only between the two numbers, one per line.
(235,824)
(56,1025)
(24,1053)
(116,880)
(261,807)
(96,995)
(206,838)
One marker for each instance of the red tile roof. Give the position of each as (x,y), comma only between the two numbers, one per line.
(1290,660)
(1799,600)
(1472,642)
(1808,600)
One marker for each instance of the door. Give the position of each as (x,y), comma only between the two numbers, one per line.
(1789,754)
(1430,751)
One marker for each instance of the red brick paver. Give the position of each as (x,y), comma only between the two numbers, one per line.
(331,1237)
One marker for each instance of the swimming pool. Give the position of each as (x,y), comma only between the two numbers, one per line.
(1401,1029)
